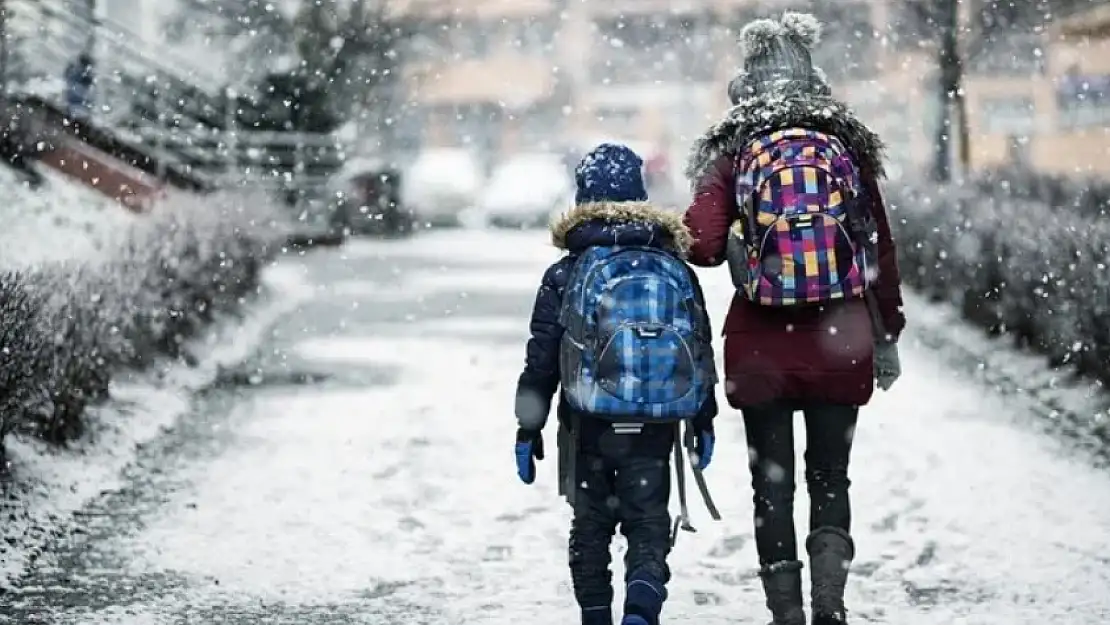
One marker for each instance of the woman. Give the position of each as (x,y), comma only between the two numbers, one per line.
(823,359)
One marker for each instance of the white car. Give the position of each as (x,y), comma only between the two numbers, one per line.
(440,184)
(527,190)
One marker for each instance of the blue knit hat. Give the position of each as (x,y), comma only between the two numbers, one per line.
(610,173)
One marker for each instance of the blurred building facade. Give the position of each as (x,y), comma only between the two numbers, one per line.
(507,75)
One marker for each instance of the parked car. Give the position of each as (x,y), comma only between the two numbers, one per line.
(527,190)
(441,183)
(367,200)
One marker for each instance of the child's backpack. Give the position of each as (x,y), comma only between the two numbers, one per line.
(635,330)
(635,348)
(802,236)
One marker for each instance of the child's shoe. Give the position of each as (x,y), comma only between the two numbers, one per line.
(643,600)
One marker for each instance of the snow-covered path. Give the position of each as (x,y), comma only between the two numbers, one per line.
(362,473)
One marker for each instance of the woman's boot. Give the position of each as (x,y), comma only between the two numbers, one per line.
(601,615)
(782,584)
(830,555)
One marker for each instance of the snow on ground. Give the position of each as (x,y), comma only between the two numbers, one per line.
(1060,401)
(53,483)
(62,220)
(399,503)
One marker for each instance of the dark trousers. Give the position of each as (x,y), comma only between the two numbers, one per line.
(770,432)
(618,489)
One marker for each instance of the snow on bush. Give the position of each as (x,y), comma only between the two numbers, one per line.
(1028,269)
(60,220)
(67,326)
(1088,196)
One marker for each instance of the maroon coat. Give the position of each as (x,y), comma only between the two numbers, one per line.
(820,355)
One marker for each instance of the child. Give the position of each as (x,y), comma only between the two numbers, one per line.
(623,330)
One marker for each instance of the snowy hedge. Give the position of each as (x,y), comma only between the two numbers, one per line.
(1084,195)
(67,327)
(1027,269)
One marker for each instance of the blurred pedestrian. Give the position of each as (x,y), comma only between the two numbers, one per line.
(80,78)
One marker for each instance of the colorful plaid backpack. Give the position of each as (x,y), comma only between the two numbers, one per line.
(802,238)
(636,331)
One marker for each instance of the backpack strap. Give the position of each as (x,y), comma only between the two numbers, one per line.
(862,227)
(683,444)
(572,322)
(699,479)
(683,518)
(567,444)
(746,205)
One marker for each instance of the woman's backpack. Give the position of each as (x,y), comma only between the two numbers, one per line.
(802,236)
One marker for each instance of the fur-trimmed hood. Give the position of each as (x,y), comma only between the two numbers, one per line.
(790,109)
(623,223)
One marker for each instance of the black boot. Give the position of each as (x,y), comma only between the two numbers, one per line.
(597,616)
(830,555)
(782,583)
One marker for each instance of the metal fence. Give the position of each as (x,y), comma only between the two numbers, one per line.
(145,96)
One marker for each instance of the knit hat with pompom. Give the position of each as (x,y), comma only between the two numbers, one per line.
(778,57)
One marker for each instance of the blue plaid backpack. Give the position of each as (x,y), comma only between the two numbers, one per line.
(633,349)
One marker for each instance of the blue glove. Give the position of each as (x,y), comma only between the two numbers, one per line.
(703,425)
(704,449)
(529,448)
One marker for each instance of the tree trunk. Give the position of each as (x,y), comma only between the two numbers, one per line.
(959,99)
(5,68)
(951,94)
(942,140)
(964,131)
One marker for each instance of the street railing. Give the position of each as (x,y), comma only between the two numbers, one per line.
(146,96)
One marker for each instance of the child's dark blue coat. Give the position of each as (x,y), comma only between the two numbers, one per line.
(611,223)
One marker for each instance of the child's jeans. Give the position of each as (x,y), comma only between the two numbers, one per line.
(629,490)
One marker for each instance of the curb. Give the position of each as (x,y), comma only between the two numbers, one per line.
(1070,407)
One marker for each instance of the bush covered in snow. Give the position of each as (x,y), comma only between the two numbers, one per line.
(1087,196)
(66,327)
(1023,268)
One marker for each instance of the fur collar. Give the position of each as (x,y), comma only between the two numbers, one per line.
(761,114)
(624,213)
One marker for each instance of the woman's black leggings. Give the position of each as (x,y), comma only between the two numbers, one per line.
(770,433)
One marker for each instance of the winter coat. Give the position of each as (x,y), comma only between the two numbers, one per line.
(588,225)
(79,77)
(820,354)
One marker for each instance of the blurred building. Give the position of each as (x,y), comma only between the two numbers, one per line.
(505,75)
(130,15)
(502,75)
(1038,94)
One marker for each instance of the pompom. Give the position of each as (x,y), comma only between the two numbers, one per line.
(756,36)
(802,27)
